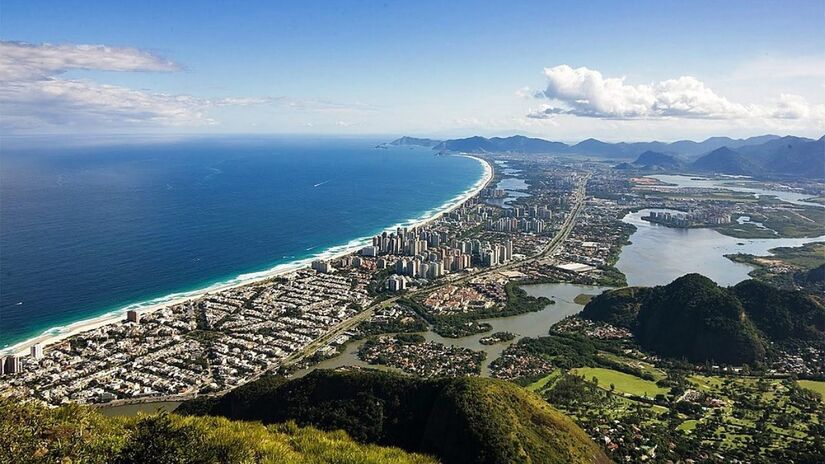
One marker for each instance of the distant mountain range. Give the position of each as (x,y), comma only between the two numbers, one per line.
(516,143)
(784,156)
(764,155)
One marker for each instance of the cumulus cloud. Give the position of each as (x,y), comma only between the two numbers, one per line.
(586,92)
(33,92)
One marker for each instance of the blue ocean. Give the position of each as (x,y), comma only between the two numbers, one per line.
(87,229)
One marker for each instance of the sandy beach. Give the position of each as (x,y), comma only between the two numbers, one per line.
(58,334)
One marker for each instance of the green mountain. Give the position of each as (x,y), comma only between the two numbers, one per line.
(726,161)
(516,143)
(36,434)
(790,156)
(784,156)
(458,420)
(694,318)
(781,315)
(413,141)
(656,160)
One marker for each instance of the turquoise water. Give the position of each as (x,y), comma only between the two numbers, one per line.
(89,230)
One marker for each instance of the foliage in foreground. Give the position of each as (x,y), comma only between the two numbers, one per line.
(31,433)
(459,420)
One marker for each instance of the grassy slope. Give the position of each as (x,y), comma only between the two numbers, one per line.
(531,429)
(458,420)
(624,383)
(32,433)
(814,385)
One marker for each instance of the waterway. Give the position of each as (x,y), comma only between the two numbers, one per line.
(535,324)
(727,184)
(514,186)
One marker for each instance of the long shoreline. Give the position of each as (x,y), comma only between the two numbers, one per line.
(57,334)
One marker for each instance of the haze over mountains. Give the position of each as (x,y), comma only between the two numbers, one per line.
(764,155)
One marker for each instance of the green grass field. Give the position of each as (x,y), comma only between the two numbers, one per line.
(541,383)
(815,385)
(644,366)
(624,383)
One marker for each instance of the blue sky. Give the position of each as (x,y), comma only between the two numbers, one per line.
(690,69)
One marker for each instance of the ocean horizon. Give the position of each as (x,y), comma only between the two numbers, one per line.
(91,230)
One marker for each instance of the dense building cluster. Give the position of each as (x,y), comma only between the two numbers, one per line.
(209,344)
(689,219)
(421,358)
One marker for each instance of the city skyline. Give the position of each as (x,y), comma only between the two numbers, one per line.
(559,71)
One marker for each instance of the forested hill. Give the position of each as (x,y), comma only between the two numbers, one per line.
(695,319)
(457,420)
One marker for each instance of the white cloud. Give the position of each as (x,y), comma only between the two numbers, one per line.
(790,106)
(242,101)
(585,92)
(79,103)
(33,95)
(23,61)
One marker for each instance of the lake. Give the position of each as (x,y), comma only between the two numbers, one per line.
(701,182)
(658,254)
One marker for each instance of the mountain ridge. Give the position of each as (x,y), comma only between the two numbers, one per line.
(763,155)
(694,318)
(457,420)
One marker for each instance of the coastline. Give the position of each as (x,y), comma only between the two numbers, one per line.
(57,334)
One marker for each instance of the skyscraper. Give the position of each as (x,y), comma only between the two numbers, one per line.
(37,351)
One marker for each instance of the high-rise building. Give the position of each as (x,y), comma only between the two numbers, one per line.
(370,250)
(436,270)
(396,283)
(37,351)
(402,266)
(423,270)
(13,365)
(488,257)
(322,266)
(501,251)
(132,316)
